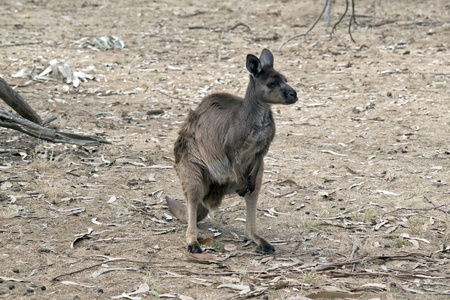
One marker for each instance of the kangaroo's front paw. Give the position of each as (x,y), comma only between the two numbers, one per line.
(242,188)
(250,184)
(241,192)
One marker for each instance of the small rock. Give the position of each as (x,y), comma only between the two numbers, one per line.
(100,291)
(43,288)
(16,270)
(11,287)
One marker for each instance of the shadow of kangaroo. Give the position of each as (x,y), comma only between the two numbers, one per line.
(221,146)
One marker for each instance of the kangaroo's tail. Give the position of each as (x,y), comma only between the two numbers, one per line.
(177,209)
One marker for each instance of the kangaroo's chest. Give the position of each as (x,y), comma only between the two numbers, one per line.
(257,142)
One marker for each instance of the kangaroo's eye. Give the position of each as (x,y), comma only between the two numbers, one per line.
(271,85)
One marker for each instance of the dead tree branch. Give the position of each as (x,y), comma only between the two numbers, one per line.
(31,123)
(17,103)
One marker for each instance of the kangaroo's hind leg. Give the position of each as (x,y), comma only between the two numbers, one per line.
(194,189)
(251,201)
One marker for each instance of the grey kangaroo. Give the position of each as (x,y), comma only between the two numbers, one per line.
(221,146)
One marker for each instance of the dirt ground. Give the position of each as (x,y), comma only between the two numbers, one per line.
(356,194)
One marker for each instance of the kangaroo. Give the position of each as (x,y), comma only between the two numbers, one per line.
(221,146)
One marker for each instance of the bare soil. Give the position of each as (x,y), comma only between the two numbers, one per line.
(356,187)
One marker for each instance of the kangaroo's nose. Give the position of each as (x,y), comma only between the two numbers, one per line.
(292,94)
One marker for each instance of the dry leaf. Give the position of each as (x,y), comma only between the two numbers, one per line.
(74,283)
(388,193)
(143,288)
(105,270)
(13,279)
(112,199)
(81,236)
(205,257)
(288,182)
(333,153)
(94,220)
(242,288)
(183,297)
(376,287)
(332,295)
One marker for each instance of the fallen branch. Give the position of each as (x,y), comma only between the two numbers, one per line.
(8,120)
(16,102)
(29,122)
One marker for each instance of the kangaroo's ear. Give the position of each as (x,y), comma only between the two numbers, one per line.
(266,58)
(253,65)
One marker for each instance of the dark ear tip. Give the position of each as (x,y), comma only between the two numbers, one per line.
(251,56)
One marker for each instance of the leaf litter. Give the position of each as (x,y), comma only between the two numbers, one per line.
(54,72)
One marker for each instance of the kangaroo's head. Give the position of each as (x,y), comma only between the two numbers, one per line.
(268,85)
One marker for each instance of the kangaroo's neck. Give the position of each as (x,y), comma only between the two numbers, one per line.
(256,111)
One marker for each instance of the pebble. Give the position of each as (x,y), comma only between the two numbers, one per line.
(16,270)
(11,287)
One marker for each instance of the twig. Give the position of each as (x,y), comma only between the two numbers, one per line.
(304,34)
(355,248)
(393,273)
(57,278)
(353,12)
(170,96)
(340,19)
(22,44)
(240,24)
(221,28)
(436,206)
(410,256)
(352,19)
(418,209)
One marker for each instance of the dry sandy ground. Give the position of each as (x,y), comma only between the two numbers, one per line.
(356,187)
